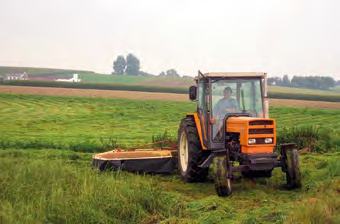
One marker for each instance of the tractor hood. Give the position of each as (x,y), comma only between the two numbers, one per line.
(254,132)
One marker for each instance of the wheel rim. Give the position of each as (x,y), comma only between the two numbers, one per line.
(184,152)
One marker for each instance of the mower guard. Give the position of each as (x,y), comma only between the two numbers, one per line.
(156,160)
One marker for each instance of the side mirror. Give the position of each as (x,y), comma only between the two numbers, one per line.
(193,92)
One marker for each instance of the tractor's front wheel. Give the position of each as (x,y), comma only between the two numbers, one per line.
(222,175)
(291,166)
(190,152)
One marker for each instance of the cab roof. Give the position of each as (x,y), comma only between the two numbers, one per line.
(234,74)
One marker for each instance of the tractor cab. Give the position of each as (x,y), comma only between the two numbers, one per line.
(220,96)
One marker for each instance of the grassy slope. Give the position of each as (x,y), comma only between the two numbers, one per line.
(58,185)
(79,123)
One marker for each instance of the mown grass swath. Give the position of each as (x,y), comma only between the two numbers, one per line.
(99,124)
(162,89)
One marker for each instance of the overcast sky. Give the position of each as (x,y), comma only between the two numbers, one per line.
(274,36)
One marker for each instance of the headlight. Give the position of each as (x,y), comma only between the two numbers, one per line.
(268,140)
(252,141)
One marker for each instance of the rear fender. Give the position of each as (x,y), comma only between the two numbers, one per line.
(199,128)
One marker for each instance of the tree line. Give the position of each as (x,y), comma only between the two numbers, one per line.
(309,82)
(130,65)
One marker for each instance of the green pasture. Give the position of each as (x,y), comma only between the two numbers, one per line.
(86,124)
(46,145)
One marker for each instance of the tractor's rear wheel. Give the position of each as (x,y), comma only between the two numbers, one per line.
(292,167)
(190,152)
(222,176)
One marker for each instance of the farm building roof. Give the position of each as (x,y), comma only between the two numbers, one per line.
(234,74)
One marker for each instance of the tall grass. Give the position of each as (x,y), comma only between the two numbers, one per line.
(55,191)
(310,138)
(49,186)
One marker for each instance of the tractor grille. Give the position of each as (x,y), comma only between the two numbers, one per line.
(260,141)
(261,122)
(261,131)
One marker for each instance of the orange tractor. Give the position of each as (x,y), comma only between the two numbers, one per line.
(231,130)
(232,126)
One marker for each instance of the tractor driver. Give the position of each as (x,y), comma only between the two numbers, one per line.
(224,106)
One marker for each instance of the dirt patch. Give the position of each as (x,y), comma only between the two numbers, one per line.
(147,95)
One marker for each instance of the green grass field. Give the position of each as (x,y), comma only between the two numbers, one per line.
(79,123)
(45,167)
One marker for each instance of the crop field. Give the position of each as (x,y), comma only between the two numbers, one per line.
(46,145)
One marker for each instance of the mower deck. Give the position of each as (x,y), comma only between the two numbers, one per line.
(157,160)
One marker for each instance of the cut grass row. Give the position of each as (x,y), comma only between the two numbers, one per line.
(143,88)
(49,186)
(89,124)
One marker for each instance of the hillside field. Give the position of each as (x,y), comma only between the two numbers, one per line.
(151,82)
(53,72)
(46,145)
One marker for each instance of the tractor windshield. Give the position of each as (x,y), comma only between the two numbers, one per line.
(235,96)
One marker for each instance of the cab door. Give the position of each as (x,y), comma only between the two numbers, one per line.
(202,108)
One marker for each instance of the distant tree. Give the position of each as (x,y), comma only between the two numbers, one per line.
(132,65)
(119,65)
(172,73)
(313,82)
(326,83)
(271,81)
(277,81)
(286,81)
(162,74)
